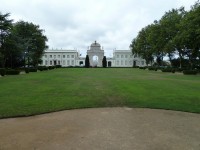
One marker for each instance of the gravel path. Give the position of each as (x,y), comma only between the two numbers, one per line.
(103,129)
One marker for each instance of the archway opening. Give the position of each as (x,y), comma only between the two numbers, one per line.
(95,60)
(109,64)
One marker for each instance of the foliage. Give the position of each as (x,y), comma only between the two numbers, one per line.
(2,71)
(87,61)
(12,72)
(168,70)
(104,62)
(5,31)
(176,33)
(32,69)
(189,72)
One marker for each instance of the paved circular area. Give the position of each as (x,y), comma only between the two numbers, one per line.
(103,129)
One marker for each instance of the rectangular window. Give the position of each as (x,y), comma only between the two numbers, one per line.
(58,56)
(50,56)
(72,56)
(72,62)
(68,63)
(122,56)
(126,56)
(63,56)
(122,63)
(126,62)
(46,62)
(117,56)
(67,56)
(118,63)
(54,56)
(45,56)
(142,62)
(63,62)
(50,62)
(59,62)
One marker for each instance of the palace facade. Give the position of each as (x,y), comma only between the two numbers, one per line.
(66,58)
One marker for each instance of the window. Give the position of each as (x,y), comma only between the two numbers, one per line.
(72,56)
(45,56)
(122,63)
(63,56)
(63,62)
(117,56)
(68,63)
(58,56)
(118,63)
(59,62)
(67,56)
(122,56)
(46,62)
(142,62)
(54,56)
(126,62)
(50,62)
(126,56)
(50,56)
(72,62)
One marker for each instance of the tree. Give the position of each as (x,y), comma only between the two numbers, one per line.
(32,39)
(5,31)
(104,62)
(189,36)
(87,61)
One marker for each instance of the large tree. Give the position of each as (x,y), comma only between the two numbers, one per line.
(5,31)
(32,39)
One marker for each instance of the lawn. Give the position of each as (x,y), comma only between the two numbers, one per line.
(72,88)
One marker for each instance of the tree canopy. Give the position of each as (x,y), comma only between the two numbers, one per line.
(21,43)
(176,34)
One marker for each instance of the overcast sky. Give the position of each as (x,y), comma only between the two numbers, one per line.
(75,24)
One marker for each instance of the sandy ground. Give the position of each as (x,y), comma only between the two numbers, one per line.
(103,129)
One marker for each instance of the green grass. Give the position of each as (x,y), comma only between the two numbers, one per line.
(60,89)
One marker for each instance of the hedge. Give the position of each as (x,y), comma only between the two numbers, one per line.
(2,71)
(168,70)
(42,68)
(32,70)
(12,72)
(189,72)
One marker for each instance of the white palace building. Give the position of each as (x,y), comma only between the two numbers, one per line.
(66,58)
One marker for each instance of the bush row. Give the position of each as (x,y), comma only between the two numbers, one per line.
(190,72)
(4,72)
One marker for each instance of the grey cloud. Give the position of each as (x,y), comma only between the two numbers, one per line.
(75,24)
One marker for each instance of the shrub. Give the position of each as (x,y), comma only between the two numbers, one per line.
(51,67)
(2,71)
(135,66)
(168,70)
(12,72)
(189,72)
(151,68)
(26,70)
(142,68)
(58,66)
(32,70)
(42,68)
(178,69)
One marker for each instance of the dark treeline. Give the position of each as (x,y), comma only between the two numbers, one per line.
(176,36)
(21,43)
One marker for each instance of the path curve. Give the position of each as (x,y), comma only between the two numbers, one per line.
(103,129)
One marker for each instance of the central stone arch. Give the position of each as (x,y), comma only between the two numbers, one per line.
(95,54)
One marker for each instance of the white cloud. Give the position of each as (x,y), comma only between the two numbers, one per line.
(73,24)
